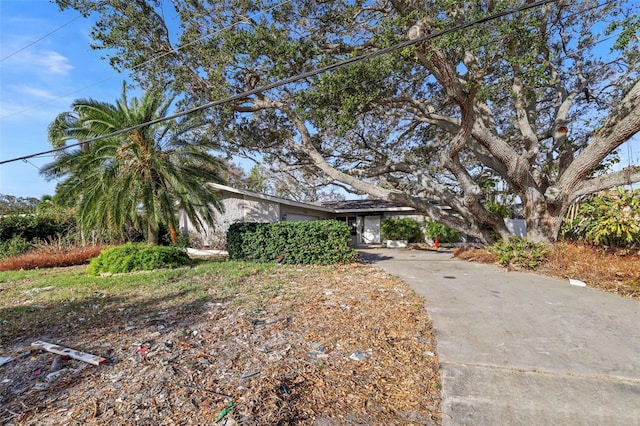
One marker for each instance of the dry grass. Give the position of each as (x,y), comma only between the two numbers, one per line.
(275,340)
(616,272)
(47,258)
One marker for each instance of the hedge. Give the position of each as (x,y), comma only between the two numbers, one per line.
(323,242)
(34,227)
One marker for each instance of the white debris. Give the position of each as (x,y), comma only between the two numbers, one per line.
(5,360)
(577,283)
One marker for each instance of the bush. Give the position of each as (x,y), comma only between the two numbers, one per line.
(401,229)
(35,227)
(442,231)
(306,242)
(519,252)
(15,246)
(611,219)
(137,257)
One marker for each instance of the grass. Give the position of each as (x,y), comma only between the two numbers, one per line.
(232,328)
(51,299)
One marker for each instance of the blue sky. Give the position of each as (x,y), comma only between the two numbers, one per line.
(41,81)
(47,76)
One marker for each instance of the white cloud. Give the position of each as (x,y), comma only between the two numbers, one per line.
(43,62)
(33,92)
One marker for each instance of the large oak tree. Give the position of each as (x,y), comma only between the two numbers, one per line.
(536,100)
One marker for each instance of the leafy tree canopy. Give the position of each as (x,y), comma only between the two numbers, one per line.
(139,177)
(536,99)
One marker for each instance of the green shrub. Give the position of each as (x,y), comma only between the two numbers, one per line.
(519,252)
(611,219)
(401,229)
(238,236)
(14,246)
(306,242)
(35,227)
(137,257)
(442,231)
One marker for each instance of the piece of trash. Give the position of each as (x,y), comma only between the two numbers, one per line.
(168,344)
(429,353)
(41,386)
(251,374)
(142,353)
(577,283)
(36,372)
(54,375)
(61,350)
(285,390)
(360,355)
(6,381)
(224,412)
(129,328)
(316,347)
(57,363)
(5,360)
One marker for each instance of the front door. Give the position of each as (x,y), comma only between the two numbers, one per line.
(371,231)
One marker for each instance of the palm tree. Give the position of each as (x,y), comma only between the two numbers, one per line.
(139,177)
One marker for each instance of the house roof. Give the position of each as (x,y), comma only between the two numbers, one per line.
(271,198)
(337,207)
(363,206)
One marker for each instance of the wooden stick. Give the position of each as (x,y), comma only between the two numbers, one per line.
(71,353)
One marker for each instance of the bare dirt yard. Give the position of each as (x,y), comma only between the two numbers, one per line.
(223,343)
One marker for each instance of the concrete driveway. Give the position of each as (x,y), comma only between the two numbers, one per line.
(523,349)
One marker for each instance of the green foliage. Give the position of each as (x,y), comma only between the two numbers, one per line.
(306,242)
(442,231)
(519,252)
(35,227)
(10,204)
(238,237)
(137,178)
(611,219)
(401,229)
(137,257)
(498,209)
(14,246)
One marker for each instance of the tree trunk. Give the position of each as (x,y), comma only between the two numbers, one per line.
(543,220)
(153,234)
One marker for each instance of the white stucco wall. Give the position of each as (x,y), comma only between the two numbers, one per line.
(237,208)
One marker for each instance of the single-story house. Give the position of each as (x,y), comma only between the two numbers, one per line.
(363,216)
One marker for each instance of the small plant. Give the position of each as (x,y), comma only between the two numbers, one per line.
(442,231)
(137,257)
(611,219)
(519,252)
(401,229)
(15,246)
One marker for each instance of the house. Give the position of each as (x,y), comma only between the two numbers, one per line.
(363,216)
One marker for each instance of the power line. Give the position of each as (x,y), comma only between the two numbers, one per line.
(297,77)
(40,39)
(145,63)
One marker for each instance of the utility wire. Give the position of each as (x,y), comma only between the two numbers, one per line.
(298,77)
(40,39)
(147,62)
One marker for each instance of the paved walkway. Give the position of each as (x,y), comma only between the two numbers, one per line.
(522,349)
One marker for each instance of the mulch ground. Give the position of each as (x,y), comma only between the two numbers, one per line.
(350,346)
